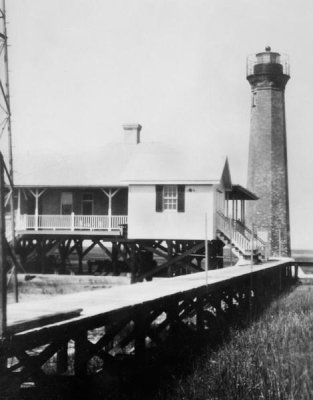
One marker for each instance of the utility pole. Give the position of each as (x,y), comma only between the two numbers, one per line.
(7,125)
(3,264)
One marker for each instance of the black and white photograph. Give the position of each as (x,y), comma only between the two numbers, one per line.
(155,200)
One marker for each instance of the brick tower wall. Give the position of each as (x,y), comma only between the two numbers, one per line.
(267,166)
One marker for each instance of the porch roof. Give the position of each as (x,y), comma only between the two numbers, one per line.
(238,192)
(102,168)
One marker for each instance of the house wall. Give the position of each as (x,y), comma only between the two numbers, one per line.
(145,223)
(50,202)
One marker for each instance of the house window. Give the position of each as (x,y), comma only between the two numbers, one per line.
(170,197)
(66,203)
(87,204)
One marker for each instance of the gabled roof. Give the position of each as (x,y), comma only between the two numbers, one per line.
(174,167)
(121,164)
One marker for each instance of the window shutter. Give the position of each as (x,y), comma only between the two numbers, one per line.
(181,198)
(159,198)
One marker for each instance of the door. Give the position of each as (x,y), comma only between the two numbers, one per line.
(66,203)
(87,204)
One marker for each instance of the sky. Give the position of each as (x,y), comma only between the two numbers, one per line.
(79,69)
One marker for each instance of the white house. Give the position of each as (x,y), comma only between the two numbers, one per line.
(157,191)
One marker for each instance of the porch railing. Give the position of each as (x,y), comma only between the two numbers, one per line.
(71,222)
(239,234)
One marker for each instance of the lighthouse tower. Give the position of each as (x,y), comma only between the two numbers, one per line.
(268,74)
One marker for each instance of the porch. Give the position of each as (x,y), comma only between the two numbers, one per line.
(71,223)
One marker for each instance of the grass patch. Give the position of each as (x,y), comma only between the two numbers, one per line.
(271,359)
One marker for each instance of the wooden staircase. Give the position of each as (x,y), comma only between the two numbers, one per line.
(241,239)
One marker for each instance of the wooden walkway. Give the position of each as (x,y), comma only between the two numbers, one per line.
(115,299)
(136,314)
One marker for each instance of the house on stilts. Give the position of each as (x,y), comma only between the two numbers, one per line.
(145,205)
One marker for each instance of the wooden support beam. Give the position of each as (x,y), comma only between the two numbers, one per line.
(173,313)
(106,251)
(169,257)
(64,247)
(42,256)
(89,248)
(62,359)
(112,331)
(156,251)
(133,278)
(31,365)
(191,266)
(114,258)
(173,260)
(79,250)
(140,332)
(81,354)
(162,248)
(124,251)
(200,312)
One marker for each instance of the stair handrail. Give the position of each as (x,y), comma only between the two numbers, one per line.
(249,230)
(243,239)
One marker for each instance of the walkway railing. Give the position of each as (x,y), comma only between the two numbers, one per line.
(239,234)
(71,222)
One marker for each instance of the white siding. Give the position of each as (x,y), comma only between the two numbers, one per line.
(145,223)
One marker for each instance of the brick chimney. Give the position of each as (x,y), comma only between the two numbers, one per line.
(132,133)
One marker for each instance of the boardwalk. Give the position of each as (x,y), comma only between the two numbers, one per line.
(130,315)
(116,299)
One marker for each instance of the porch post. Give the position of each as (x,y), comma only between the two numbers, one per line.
(72,221)
(243,211)
(110,196)
(226,200)
(37,194)
(110,209)
(36,209)
(233,209)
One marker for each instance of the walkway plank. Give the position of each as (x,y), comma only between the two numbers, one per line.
(89,304)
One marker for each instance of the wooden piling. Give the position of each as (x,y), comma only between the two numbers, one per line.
(200,313)
(79,251)
(140,334)
(133,278)
(62,359)
(81,350)
(114,258)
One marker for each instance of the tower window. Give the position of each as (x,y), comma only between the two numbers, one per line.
(254,99)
